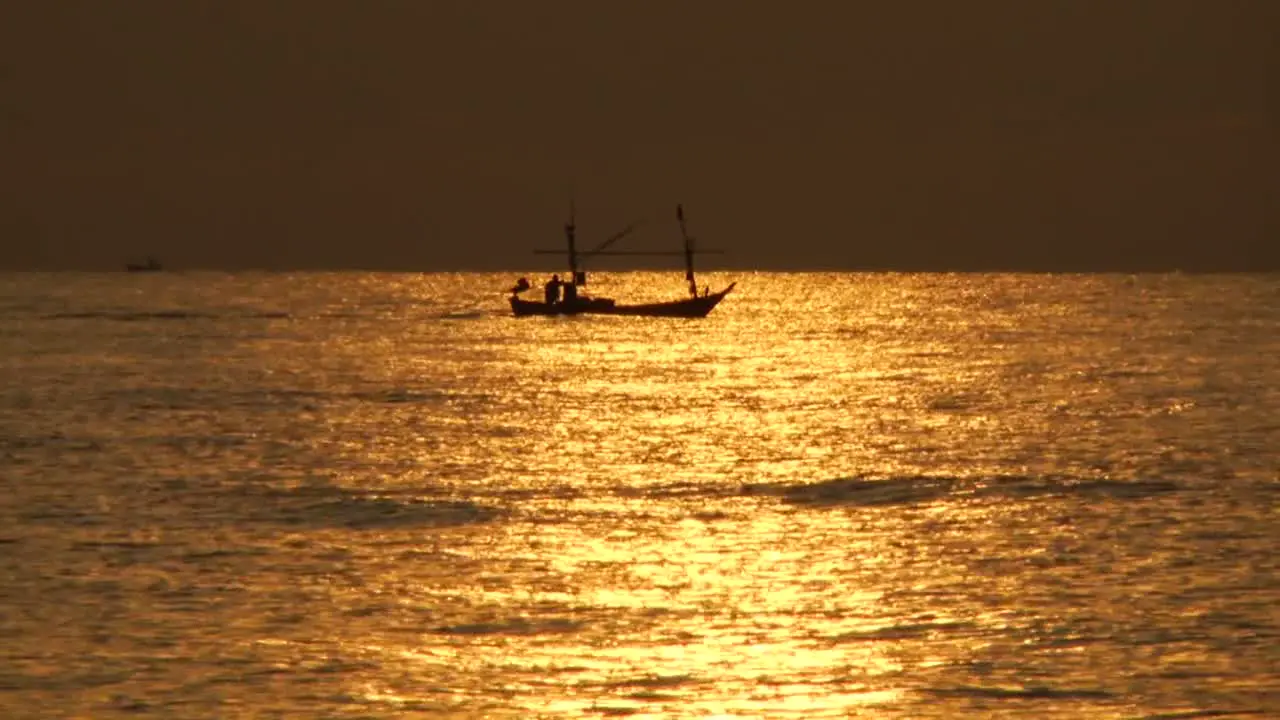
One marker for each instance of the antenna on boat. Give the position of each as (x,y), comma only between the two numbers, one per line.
(688,251)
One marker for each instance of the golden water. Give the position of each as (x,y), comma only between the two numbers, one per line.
(880,496)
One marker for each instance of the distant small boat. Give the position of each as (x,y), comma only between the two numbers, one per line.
(575,302)
(151,265)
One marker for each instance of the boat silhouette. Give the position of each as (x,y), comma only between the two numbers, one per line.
(576,302)
(151,265)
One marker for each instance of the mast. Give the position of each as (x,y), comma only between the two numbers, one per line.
(688,252)
(570,229)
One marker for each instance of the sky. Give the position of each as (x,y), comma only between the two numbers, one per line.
(439,135)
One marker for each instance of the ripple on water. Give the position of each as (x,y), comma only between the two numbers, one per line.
(352,510)
(923,489)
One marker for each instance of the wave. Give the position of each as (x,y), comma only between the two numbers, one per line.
(854,491)
(516,626)
(907,631)
(463,315)
(333,507)
(1197,714)
(858,491)
(180,398)
(1032,692)
(923,489)
(892,491)
(55,440)
(142,315)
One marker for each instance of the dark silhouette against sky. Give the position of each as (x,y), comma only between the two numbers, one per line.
(423,134)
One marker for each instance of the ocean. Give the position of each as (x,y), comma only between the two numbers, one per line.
(870,495)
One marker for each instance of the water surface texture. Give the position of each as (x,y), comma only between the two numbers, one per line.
(839,495)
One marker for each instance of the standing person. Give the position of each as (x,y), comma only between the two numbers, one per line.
(553,290)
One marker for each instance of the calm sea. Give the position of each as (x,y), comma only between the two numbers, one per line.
(839,495)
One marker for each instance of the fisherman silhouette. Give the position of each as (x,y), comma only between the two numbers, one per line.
(553,290)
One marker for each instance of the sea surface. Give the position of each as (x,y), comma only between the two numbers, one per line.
(898,496)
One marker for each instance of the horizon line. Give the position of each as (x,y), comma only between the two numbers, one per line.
(797,270)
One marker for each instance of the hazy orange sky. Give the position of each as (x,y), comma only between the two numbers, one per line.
(423,134)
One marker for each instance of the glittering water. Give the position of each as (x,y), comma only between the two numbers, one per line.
(840,495)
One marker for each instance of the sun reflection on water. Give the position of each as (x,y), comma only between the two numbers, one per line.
(727,614)
(687,578)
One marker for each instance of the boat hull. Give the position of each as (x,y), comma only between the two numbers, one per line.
(694,307)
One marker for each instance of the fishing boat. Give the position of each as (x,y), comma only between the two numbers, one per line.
(574,301)
(151,265)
